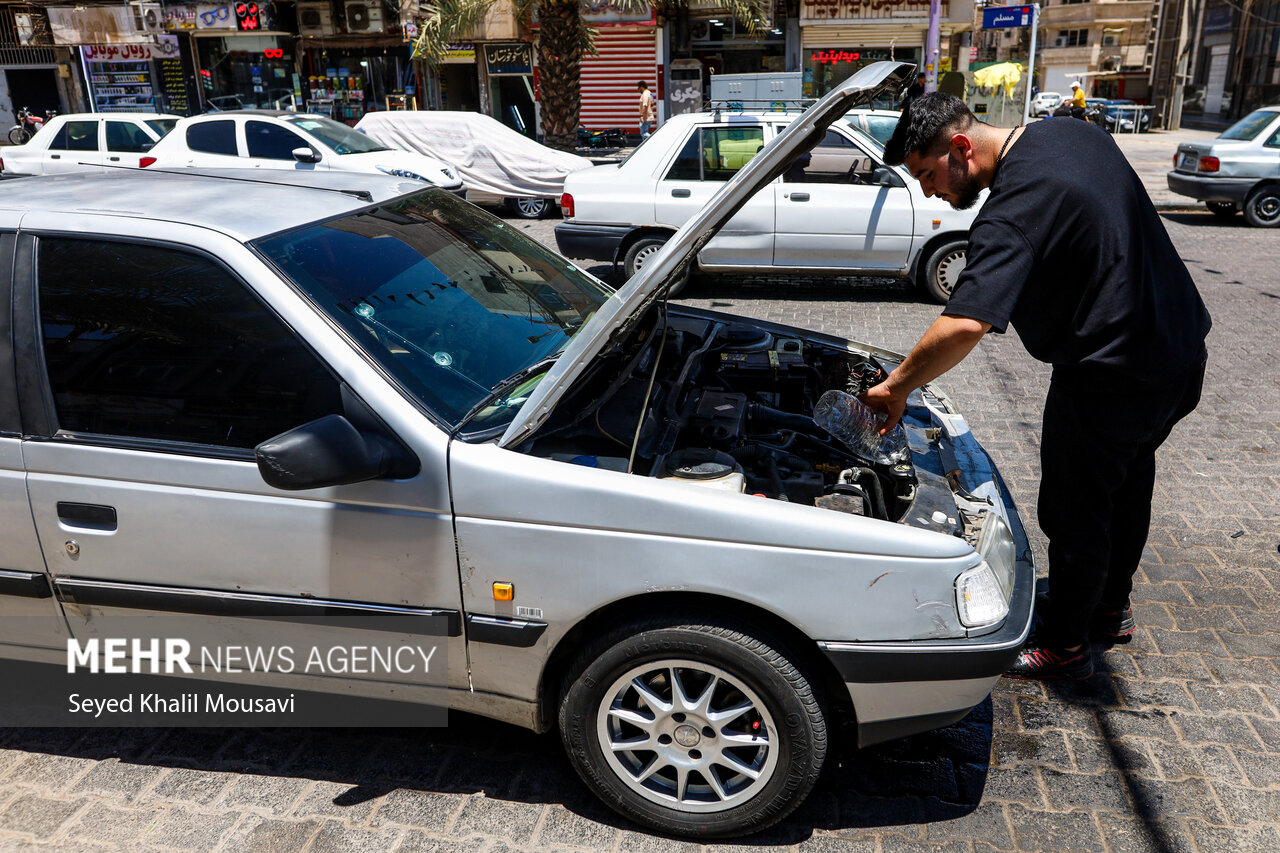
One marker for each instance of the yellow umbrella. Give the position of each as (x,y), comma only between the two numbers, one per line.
(1002,74)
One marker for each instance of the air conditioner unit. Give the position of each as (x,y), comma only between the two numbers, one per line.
(1060,41)
(315,19)
(149,17)
(364,16)
(1110,63)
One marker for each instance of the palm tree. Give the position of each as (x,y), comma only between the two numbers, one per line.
(563,39)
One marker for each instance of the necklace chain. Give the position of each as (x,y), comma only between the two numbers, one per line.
(1007,140)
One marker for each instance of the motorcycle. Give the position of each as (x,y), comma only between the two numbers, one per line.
(28,124)
(611,138)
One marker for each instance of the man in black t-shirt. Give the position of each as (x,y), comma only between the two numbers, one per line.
(1078,261)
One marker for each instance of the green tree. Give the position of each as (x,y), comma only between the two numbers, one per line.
(563,39)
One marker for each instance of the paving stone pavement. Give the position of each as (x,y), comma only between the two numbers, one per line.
(1173,746)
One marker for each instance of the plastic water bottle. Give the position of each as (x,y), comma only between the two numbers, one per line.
(850,420)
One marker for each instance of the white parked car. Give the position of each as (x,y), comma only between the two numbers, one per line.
(496,163)
(1045,103)
(87,142)
(264,139)
(838,210)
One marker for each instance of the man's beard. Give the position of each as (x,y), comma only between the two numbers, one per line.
(965,186)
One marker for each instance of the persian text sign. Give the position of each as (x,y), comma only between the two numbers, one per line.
(128,52)
(997,17)
(829,10)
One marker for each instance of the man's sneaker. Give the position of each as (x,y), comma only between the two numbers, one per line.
(1114,625)
(1036,662)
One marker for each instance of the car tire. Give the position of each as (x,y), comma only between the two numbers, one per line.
(640,252)
(1262,208)
(942,270)
(529,208)
(688,685)
(1222,209)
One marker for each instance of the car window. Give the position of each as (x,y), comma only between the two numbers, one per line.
(1250,126)
(76,136)
(271,141)
(716,153)
(836,160)
(337,137)
(127,136)
(1274,141)
(450,301)
(213,137)
(161,125)
(881,127)
(154,343)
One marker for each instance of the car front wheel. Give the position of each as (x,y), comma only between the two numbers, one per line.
(699,728)
(942,270)
(529,208)
(1222,209)
(640,253)
(1262,209)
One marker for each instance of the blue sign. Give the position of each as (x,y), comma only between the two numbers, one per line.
(1006,16)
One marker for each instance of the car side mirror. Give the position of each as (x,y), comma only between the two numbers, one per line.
(304,154)
(886,177)
(330,451)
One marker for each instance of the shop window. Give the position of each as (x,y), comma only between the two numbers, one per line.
(716,153)
(836,160)
(213,137)
(76,136)
(127,136)
(271,141)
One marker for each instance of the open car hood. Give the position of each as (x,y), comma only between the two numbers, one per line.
(675,261)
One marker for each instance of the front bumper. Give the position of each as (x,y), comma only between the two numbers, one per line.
(593,242)
(1205,188)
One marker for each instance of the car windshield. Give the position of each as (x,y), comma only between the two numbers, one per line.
(161,125)
(1250,126)
(339,137)
(450,301)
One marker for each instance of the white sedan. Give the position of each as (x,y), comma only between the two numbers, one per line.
(87,142)
(262,139)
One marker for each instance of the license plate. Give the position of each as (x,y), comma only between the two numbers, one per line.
(1188,162)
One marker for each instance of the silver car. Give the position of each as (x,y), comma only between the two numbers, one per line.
(275,410)
(1240,170)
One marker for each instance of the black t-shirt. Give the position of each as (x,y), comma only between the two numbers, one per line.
(1069,249)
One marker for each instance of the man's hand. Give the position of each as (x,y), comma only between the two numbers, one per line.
(943,346)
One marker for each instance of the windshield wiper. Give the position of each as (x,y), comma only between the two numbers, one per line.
(495,393)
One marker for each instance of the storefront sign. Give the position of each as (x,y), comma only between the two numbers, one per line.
(606,12)
(129,52)
(1217,21)
(458,53)
(247,17)
(94,25)
(827,10)
(507,59)
(823,57)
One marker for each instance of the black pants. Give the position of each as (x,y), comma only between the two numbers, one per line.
(1097,456)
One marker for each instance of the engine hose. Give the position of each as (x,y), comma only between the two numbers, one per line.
(772,464)
(875,490)
(760,413)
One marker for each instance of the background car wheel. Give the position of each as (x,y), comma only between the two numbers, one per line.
(1222,209)
(640,253)
(529,208)
(942,270)
(19,135)
(699,729)
(1262,209)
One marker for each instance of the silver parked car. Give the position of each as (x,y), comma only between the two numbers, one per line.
(232,415)
(1239,170)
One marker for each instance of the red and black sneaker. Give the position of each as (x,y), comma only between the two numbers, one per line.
(1037,662)
(1114,625)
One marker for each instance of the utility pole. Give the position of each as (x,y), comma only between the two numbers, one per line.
(932,47)
(1031,63)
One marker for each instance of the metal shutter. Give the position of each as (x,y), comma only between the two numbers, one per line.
(609,97)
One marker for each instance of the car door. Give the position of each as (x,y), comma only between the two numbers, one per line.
(75,148)
(124,140)
(270,146)
(831,213)
(32,626)
(155,370)
(709,156)
(211,144)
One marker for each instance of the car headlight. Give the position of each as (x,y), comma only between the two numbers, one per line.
(404,173)
(996,545)
(979,599)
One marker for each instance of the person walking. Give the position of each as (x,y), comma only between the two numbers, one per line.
(648,110)
(1078,261)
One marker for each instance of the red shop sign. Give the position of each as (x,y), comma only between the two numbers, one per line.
(834,56)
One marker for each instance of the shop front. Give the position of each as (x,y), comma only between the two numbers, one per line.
(704,42)
(247,72)
(344,78)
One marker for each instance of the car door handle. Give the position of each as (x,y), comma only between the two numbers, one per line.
(113,159)
(799,196)
(95,516)
(55,156)
(680,193)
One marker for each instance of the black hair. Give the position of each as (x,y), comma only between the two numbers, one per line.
(926,126)
(641,84)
